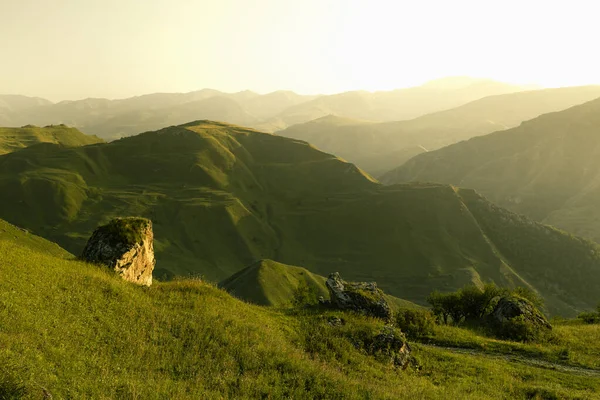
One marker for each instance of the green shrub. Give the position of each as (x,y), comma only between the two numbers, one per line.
(589,317)
(473,304)
(470,303)
(521,330)
(517,328)
(305,295)
(415,323)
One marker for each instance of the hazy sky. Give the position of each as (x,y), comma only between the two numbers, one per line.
(69,49)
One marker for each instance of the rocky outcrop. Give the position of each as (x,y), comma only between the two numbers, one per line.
(125,245)
(362,297)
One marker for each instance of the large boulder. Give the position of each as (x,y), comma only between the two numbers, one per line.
(362,297)
(125,245)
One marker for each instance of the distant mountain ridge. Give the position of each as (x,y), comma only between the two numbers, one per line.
(380,147)
(111,119)
(222,197)
(394,105)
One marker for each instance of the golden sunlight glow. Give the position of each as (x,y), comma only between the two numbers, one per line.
(117,48)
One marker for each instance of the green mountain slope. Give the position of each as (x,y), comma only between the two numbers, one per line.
(378,148)
(12,139)
(547,168)
(222,197)
(74,330)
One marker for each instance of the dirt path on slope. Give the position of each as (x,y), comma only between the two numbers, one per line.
(532,361)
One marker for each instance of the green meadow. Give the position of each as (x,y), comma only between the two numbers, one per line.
(75,330)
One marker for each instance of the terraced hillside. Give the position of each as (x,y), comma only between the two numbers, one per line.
(223,197)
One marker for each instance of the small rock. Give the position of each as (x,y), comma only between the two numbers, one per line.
(335,321)
(391,344)
(125,245)
(323,302)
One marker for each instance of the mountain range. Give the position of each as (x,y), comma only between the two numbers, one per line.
(112,119)
(223,197)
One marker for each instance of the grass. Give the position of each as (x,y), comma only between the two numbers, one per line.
(78,331)
(572,344)
(222,197)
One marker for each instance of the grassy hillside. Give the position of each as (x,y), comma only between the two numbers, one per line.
(222,197)
(378,148)
(23,238)
(12,139)
(547,168)
(73,330)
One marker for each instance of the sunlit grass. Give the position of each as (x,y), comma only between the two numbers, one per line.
(79,331)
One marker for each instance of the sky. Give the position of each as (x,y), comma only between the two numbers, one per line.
(72,49)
